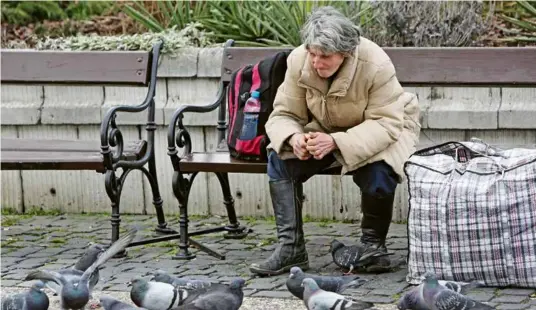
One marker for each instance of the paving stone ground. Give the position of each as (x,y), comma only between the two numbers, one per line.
(57,241)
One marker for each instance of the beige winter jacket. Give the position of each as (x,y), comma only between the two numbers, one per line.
(366,110)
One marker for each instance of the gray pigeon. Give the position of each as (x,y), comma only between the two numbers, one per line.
(217,298)
(74,273)
(32,299)
(156,295)
(76,295)
(316,298)
(438,297)
(335,284)
(412,300)
(162,276)
(109,303)
(352,256)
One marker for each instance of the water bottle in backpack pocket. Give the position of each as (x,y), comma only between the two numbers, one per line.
(251,110)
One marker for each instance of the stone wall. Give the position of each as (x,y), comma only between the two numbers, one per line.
(499,115)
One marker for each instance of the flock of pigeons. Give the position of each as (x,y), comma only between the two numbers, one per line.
(163,291)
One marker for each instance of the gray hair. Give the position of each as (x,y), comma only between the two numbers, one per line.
(330,31)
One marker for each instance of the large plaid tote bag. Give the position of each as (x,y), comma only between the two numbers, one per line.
(472,214)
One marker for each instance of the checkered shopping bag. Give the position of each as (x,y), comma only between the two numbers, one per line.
(472,214)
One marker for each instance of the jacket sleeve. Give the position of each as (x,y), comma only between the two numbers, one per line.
(290,108)
(383,119)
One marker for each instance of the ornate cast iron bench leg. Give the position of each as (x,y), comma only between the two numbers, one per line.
(234,230)
(157,199)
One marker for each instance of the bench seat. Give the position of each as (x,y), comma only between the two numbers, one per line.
(53,154)
(225,163)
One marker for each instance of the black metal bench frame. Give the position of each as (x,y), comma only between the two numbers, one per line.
(124,68)
(415,67)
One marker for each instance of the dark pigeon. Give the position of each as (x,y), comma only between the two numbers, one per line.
(229,297)
(438,297)
(412,301)
(32,299)
(335,284)
(351,256)
(316,298)
(109,303)
(156,295)
(76,295)
(162,276)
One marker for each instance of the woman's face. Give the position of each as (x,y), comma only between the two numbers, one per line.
(325,64)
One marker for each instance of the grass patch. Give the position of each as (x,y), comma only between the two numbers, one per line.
(9,211)
(58,241)
(9,241)
(40,211)
(396,296)
(9,221)
(267,241)
(404,222)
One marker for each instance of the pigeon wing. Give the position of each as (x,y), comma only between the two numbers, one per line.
(115,248)
(449,300)
(333,301)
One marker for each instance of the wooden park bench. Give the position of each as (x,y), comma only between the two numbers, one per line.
(122,68)
(415,67)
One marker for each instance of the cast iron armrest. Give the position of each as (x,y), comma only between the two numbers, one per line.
(181,138)
(111,136)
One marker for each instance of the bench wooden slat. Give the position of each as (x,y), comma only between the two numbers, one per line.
(101,67)
(223,162)
(28,154)
(448,65)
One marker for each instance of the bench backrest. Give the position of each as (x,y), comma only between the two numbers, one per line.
(445,66)
(429,66)
(74,67)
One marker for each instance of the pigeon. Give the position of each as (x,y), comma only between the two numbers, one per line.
(76,295)
(156,295)
(438,297)
(109,303)
(162,276)
(411,300)
(352,256)
(32,299)
(316,298)
(335,284)
(229,297)
(74,273)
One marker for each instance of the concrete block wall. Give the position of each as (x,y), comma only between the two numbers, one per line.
(498,115)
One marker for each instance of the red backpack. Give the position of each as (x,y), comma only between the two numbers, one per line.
(265,77)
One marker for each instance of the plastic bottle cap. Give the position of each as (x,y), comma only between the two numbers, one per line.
(255,94)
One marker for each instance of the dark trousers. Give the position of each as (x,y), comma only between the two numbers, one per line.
(376,179)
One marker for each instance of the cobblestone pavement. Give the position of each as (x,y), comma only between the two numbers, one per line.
(57,241)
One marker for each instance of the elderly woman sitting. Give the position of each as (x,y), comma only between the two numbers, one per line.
(340,103)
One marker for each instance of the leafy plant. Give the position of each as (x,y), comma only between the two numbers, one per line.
(166,14)
(173,38)
(428,23)
(522,16)
(24,12)
(252,23)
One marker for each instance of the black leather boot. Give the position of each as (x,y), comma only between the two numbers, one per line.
(377,216)
(287,202)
